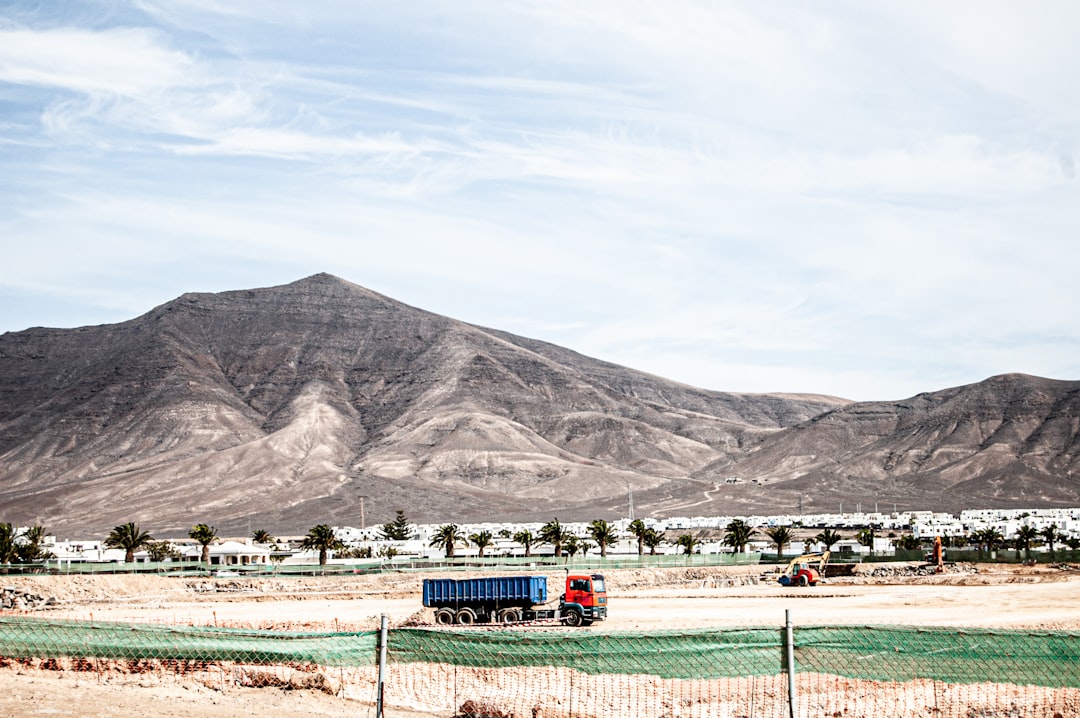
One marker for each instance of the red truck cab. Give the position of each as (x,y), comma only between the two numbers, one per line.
(585,600)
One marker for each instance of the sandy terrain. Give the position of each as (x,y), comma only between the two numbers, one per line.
(640,599)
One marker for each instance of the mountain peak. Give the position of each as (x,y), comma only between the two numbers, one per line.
(323,278)
(283,404)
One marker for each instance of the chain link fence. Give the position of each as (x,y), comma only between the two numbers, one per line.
(548,671)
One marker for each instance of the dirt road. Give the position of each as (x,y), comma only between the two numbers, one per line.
(1011,597)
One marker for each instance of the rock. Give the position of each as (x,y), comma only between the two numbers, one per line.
(18,599)
(314,682)
(478,709)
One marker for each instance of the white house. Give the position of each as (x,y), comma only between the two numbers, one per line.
(230,553)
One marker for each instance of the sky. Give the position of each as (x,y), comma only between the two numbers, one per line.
(863,199)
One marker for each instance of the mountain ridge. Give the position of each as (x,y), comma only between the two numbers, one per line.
(284,405)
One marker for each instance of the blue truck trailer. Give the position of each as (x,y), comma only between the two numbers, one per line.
(512,599)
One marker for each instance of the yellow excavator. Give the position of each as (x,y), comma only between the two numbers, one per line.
(805,570)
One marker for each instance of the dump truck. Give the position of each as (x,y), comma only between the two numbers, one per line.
(514,599)
(804,570)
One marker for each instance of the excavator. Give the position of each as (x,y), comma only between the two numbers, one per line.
(936,556)
(804,570)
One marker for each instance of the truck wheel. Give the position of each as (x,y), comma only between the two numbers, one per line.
(510,615)
(573,618)
(465,617)
(444,617)
(803,580)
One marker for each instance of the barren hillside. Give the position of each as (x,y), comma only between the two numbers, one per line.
(282,406)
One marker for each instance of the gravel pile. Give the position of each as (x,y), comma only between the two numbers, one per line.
(13,598)
(909,570)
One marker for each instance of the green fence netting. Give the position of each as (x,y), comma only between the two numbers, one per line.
(854,671)
(687,654)
(950,655)
(882,653)
(36,638)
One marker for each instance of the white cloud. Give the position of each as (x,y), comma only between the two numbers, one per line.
(290,144)
(860,196)
(123,61)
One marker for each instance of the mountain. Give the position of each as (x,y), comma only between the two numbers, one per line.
(1010,441)
(280,408)
(285,407)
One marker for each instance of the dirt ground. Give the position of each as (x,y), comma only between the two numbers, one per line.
(1039,597)
(59,694)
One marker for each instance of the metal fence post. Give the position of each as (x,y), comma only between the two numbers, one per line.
(382,667)
(789,646)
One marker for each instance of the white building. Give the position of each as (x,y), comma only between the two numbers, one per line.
(230,553)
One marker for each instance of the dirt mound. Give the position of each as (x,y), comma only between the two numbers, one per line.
(686,577)
(94,588)
(90,589)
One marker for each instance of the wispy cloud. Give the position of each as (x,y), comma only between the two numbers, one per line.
(127,62)
(862,198)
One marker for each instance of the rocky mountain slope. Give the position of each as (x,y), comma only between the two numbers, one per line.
(1009,441)
(282,407)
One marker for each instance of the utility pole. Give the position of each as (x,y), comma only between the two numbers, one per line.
(362,524)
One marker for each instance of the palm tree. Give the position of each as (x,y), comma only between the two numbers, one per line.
(481,540)
(553,533)
(866,537)
(781,536)
(737,535)
(130,538)
(203,535)
(828,538)
(1024,536)
(29,549)
(1050,535)
(571,544)
(9,551)
(653,539)
(262,536)
(526,539)
(446,536)
(321,538)
(688,543)
(637,529)
(604,534)
(988,538)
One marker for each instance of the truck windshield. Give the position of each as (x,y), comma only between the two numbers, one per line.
(598,585)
